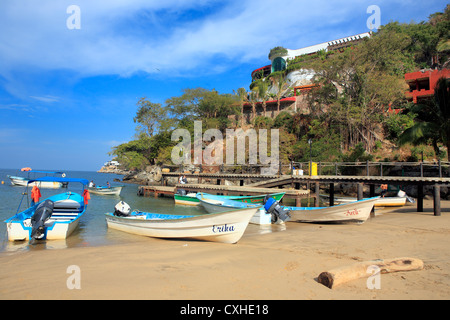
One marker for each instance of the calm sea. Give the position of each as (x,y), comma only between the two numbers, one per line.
(92,230)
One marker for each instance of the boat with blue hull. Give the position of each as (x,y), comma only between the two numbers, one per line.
(55,217)
(191,199)
(214,203)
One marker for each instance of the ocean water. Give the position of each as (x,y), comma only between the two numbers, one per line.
(92,229)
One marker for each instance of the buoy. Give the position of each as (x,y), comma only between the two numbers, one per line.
(3,182)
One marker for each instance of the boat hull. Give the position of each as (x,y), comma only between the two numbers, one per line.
(106,191)
(187,200)
(358,211)
(261,217)
(225,227)
(191,199)
(68,209)
(381,202)
(19,181)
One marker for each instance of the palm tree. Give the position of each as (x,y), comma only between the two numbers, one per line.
(262,87)
(280,83)
(253,99)
(432,121)
(242,94)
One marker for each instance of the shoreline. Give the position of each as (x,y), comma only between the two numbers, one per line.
(264,264)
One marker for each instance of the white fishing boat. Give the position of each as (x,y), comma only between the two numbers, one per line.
(53,218)
(189,199)
(213,204)
(106,190)
(23,181)
(381,202)
(357,211)
(226,227)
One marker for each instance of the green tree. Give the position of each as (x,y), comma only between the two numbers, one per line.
(241,94)
(203,104)
(366,79)
(280,83)
(432,121)
(148,116)
(262,88)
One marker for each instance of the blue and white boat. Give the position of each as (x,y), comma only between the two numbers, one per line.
(214,204)
(53,218)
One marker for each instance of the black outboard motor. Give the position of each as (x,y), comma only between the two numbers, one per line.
(273,207)
(122,209)
(42,213)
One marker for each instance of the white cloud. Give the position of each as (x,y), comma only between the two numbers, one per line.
(123,37)
(47,98)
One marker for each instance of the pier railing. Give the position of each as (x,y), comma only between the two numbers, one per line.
(366,168)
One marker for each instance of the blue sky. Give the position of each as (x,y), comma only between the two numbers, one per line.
(67,96)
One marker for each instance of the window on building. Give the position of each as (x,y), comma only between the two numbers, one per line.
(278,64)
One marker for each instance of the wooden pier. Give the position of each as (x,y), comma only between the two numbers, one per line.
(217,184)
(297,195)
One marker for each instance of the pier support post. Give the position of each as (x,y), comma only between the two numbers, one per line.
(371,195)
(372,190)
(420,198)
(437,200)
(331,194)
(360,191)
(317,196)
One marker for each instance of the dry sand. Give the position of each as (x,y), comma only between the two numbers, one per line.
(275,265)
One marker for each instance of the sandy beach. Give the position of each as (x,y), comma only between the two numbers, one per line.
(282,264)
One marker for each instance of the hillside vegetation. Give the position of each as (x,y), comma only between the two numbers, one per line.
(347,117)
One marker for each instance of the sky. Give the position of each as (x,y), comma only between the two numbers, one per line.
(70,77)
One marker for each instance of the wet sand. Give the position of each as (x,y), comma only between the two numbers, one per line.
(283,264)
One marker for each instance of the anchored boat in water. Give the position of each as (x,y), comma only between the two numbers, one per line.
(23,181)
(192,200)
(106,190)
(53,218)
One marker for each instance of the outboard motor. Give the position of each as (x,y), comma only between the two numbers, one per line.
(122,209)
(42,213)
(273,207)
(181,192)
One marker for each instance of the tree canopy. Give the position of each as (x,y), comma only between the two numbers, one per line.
(347,116)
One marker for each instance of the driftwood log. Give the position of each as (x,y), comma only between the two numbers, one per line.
(341,275)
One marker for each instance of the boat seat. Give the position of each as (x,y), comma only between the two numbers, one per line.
(65,214)
(66,204)
(66,210)
(59,219)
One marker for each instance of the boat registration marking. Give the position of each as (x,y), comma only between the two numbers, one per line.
(223,228)
(353,212)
